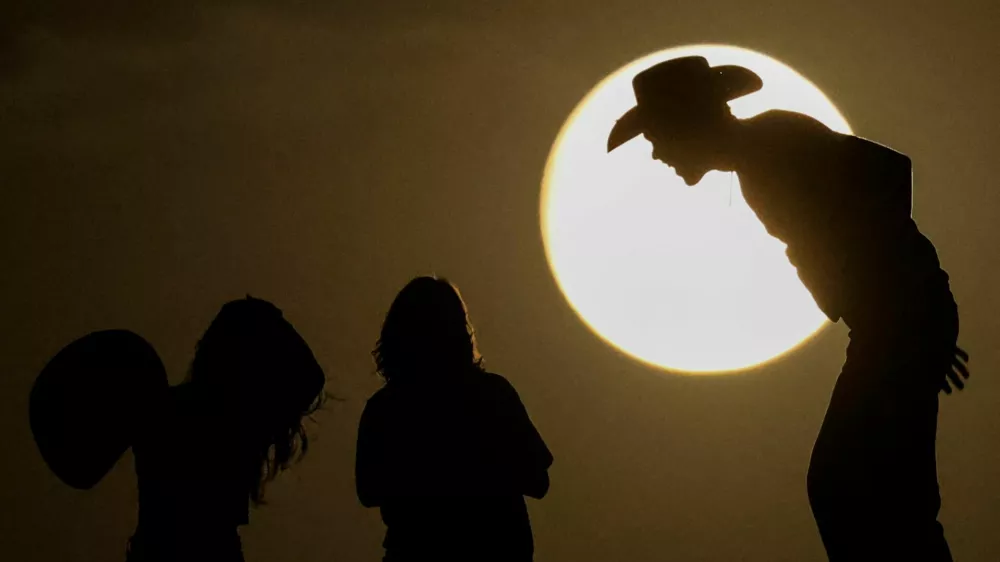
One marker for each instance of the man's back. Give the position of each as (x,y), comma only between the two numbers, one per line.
(842,205)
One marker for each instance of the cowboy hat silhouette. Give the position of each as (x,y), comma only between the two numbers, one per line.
(670,89)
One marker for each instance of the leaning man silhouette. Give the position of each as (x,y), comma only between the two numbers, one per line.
(842,206)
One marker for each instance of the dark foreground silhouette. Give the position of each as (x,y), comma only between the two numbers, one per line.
(445,449)
(842,205)
(205,449)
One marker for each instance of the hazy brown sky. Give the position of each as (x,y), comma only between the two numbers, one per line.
(156,162)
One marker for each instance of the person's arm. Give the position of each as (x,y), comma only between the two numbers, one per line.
(538,460)
(368,465)
(536,485)
(532,457)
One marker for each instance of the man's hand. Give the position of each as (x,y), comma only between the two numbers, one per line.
(957,372)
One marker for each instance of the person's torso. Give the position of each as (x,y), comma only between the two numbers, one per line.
(458,527)
(191,495)
(448,446)
(842,205)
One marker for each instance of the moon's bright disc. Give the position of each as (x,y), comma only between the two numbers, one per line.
(683,278)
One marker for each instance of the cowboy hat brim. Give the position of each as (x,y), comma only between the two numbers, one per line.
(627,127)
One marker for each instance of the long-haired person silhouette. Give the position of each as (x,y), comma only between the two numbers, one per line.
(204,449)
(446,450)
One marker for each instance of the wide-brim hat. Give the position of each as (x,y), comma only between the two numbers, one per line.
(676,84)
(92,401)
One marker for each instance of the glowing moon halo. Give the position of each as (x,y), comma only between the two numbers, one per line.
(682,278)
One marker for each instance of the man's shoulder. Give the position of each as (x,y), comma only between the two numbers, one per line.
(785,134)
(877,152)
(783,121)
(810,137)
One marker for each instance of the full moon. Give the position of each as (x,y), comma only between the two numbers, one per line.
(684,278)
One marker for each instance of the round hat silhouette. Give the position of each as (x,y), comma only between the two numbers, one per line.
(92,400)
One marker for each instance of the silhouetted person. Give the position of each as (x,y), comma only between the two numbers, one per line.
(445,449)
(842,205)
(205,449)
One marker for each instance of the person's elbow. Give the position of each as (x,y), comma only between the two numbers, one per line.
(368,494)
(369,499)
(538,485)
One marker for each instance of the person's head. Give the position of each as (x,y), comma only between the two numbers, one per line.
(426,332)
(682,109)
(252,367)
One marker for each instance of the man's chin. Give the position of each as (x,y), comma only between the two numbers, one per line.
(691,179)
